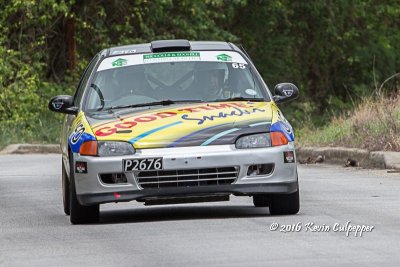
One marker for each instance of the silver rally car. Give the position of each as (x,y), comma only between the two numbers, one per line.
(172,122)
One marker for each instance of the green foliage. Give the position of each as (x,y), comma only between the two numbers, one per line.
(23,103)
(114,23)
(335,51)
(332,50)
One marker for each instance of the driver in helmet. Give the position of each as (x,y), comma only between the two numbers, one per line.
(209,80)
(132,81)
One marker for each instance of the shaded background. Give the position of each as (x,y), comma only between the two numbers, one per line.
(336,51)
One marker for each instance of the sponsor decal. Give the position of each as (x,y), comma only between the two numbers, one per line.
(285,125)
(288,157)
(119,62)
(288,92)
(83,138)
(224,57)
(238,66)
(131,122)
(284,128)
(220,123)
(79,130)
(80,167)
(58,105)
(120,52)
(251,92)
(282,118)
(175,56)
(236,112)
(287,128)
(132,58)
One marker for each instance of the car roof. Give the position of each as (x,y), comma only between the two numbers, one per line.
(170,45)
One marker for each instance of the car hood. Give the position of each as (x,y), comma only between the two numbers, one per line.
(183,124)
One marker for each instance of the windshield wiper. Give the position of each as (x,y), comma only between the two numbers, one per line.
(239,98)
(166,102)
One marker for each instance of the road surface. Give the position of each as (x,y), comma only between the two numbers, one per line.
(35,232)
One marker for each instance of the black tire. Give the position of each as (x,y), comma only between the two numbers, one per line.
(261,200)
(285,204)
(80,214)
(65,190)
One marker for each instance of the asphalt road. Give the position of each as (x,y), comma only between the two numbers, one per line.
(35,232)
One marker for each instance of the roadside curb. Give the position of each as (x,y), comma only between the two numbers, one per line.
(341,155)
(31,149)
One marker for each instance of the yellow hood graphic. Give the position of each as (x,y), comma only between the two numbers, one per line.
(187,125)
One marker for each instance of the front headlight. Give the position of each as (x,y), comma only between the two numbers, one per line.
(254,141)
(110,148)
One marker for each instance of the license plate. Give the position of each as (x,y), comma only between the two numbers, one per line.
(142,164)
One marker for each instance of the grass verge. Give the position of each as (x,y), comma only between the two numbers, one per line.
(46,131)
(374,124)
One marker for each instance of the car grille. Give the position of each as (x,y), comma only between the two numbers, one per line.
(187,177)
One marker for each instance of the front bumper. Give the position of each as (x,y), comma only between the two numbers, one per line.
(283,179)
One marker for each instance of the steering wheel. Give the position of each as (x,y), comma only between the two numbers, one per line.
(99,93)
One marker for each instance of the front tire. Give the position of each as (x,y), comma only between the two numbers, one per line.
(65,190)
(261,200)
(285,204)
(80,214)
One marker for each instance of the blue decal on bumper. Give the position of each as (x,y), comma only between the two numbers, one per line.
(284,128)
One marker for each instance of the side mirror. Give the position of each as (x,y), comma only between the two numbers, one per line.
(285,92)
(63,104)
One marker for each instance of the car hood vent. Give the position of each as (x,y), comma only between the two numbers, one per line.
(170,46)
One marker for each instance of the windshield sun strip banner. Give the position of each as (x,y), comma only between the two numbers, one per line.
(139,59)
(168,56)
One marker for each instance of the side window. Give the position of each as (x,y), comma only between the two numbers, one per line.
(84,80)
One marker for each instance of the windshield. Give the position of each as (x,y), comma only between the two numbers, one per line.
(180,76)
